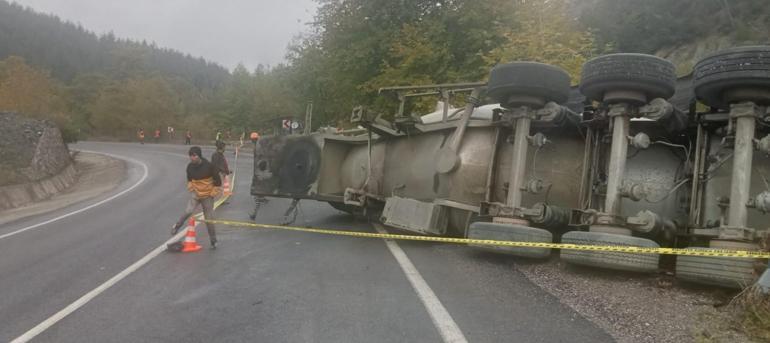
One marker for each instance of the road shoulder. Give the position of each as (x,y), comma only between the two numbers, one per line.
(96,175)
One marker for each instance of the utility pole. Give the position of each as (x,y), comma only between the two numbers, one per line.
(308,117)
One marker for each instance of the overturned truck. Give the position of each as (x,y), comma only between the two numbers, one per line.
(633,156)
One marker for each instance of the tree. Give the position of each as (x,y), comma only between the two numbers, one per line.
(31,92)
(544,33)
(123,107)
(357,46)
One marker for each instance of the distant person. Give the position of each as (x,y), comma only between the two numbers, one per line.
(218,136)
(258,199)
(204,183)
(157,135)
(219,161)
(187,137)
(140,134)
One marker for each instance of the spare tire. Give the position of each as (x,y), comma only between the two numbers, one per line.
(742,67)
(651,75)
(528,78)
(300,165)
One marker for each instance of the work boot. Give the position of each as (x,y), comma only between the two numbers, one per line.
(175,228)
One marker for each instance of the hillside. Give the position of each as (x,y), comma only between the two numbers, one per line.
(67,50)
(108,87)
(681,31)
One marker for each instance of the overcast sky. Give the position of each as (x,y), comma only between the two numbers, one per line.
(225,31)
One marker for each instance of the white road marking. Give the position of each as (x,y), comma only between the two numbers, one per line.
(444,323)
(95,292)
(144,177)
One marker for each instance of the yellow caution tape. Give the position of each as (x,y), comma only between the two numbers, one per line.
(566,246)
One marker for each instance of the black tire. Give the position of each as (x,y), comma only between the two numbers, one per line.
(743,67)
(528,78)
(300,166)
(643,263)
(725,272)
(513,233)
(651,75)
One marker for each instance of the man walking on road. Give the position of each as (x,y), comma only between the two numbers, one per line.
(203,182)
(187,137)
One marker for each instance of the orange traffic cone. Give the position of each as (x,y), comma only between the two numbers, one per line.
(189,239)
(226,186)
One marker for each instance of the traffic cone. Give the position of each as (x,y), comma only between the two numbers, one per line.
(226,186)
(189,239)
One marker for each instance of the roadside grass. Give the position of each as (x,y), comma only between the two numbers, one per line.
(753,308)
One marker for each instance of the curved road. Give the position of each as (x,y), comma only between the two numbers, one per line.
(259,285)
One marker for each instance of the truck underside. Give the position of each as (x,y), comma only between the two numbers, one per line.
(626,158)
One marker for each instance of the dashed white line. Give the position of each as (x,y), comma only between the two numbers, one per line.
(144,177)
(444,323)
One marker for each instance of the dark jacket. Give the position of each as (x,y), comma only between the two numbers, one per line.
(203,179)
(219,162)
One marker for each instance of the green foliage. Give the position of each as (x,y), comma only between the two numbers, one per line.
(110,86)
(359,46)
(25,89)
(147,103)
(646,26)
(545,34)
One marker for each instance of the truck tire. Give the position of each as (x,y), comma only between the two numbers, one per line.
(513,233)
(725,272)
(300,165)
(651,75)
(528,78)
(643,263)
(744,67)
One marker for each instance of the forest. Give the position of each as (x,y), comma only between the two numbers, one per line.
(106,87)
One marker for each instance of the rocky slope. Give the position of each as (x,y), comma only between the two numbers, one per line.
(30,150)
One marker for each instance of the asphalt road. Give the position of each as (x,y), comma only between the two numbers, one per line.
(259,285)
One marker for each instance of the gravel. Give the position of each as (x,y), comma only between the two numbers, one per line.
(639,308)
